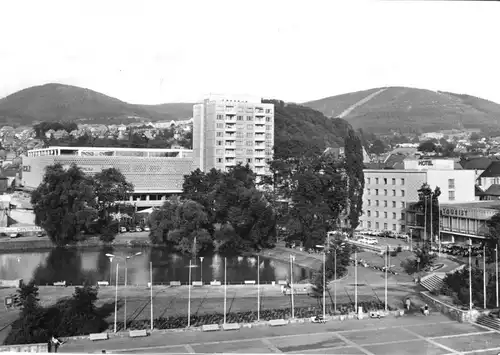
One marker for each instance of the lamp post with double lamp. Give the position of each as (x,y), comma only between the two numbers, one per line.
(189,293)
(125,259)
(335,249)
(470,274)
(292,259)
(201,268)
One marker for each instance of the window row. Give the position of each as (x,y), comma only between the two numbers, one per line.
(386,181)
(386,215)
(402,204)
(377,192)
(377,226)
(241,118)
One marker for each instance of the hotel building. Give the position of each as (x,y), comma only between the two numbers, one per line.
(231,130)
(388,192)
(155,173)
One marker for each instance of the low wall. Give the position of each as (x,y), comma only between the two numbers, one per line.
(11,283)
(25,348)
(449,310)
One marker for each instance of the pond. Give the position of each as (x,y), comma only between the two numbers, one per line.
(79,265)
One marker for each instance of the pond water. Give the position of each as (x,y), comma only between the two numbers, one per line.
(79,265)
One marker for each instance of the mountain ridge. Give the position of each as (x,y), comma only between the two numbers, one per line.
(411,110)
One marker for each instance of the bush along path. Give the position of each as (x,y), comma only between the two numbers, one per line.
(245,317)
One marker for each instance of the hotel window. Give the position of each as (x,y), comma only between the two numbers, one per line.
(249,118)
(249,134)
(369,202)
(249,160)
(376,225)
(393,227)
(219,134)
(220,117)
(219,142)
(368,191)
(239,134)
(385,181)
(239,118)
(385,192)
(377,214)
(393,192)
(393,204)
(385,214)
(451,195)
(394,181)
(369,180)
(249,143)
(385,226)
(376,181)
(393,215)
(369,213)
(376,192)
(218,151)
(385,203)
(369,224)
(402,193)
(402,181)
(269,127)
(377,203)
(403,216)
(249,126)
(249,152)
(451,183)
(220,125)
(403,205)
(219,160)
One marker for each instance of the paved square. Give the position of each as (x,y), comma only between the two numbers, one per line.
(409,335)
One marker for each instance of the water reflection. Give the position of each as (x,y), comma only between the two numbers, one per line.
(77,266)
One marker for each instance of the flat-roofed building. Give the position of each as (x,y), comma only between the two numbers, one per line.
(388,192)
(155,173)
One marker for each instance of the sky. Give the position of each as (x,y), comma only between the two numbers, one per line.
(151,52)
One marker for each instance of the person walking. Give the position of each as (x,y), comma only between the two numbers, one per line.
(55,343)
(408,303)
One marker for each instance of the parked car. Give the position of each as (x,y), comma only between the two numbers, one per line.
(123,229)
(146,229)
(138,229)
(368,240)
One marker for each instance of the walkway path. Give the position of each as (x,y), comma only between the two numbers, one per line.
(360,102)
(412,334)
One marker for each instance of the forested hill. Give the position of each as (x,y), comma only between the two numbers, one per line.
(300,130)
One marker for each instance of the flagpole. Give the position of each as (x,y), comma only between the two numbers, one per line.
(116,296)
(225,288)
(496,268)
(291,284)
(356,281)
(425,219)
(189,296)
(151,293)
(386,268)
(258,288)
(484,276)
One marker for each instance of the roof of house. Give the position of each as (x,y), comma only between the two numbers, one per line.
(492,204)
(481,163)
(478,191)
(493,170)
(493,190)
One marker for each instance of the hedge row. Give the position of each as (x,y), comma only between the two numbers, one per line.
(245,317)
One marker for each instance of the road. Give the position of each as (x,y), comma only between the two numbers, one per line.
(411,334)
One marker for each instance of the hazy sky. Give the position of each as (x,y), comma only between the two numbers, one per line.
(168,51)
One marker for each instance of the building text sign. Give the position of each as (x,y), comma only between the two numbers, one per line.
(425,163)
(459,212)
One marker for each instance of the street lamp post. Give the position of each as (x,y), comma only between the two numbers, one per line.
(189,296)
(356,281)
(201,269)
(110,267)
(411,239)
(470,274)
(258,288)
(496,271)
(386,269)
(484,276)
(116,297)
(125,259)
(324,279)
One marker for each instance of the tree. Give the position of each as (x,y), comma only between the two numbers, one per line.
(110,188)
(423,260)
(182,225)
(64,203)
(378,147)
(474,136)
(353,165)
(343,255)
(318,197)
(428,204)
(427,147)
(493,236)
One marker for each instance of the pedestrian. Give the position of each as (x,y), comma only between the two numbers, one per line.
(55,343)
(408,303)
(49,346)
